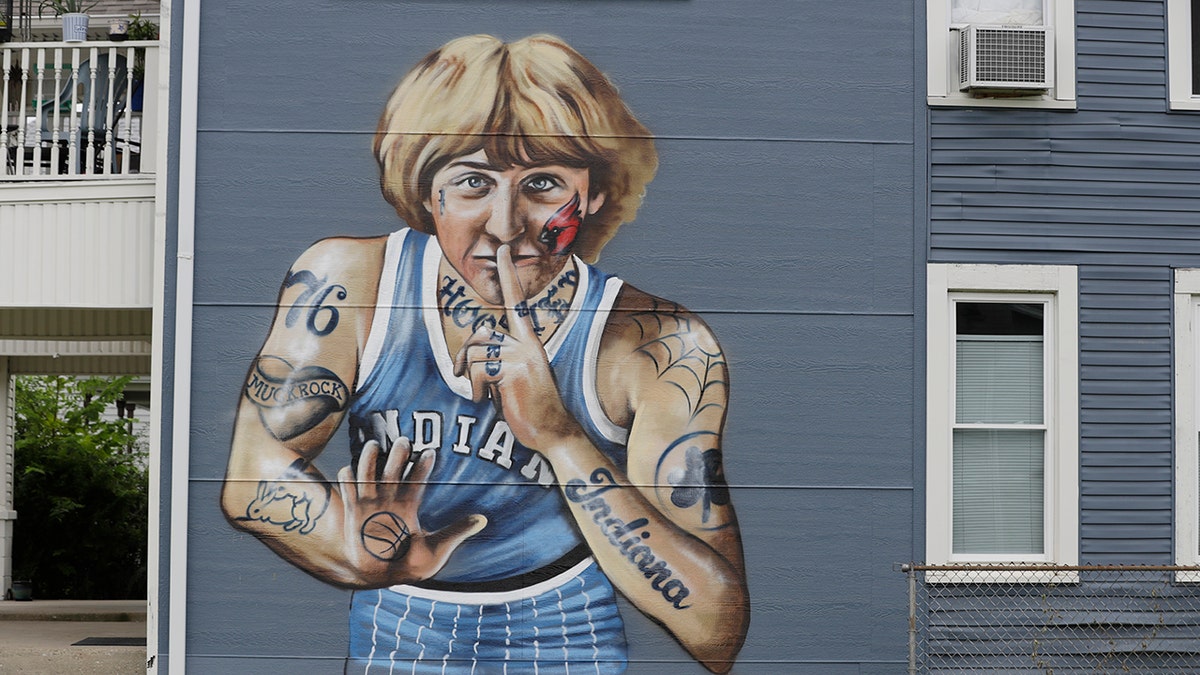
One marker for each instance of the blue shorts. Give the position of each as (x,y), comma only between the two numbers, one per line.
(566,625)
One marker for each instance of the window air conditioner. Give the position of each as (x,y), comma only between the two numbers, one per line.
(1004,58)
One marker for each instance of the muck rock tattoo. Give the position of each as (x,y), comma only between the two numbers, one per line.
(292,401)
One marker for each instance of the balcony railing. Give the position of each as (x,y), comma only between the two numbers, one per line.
(80,110)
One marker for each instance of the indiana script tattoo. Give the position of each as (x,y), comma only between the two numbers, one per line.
(627,537)
(312,300)
(697,371)
(291,400)
(467,311)
(295,501)
(695,478)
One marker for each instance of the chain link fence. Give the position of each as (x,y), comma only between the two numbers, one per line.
(1053,619)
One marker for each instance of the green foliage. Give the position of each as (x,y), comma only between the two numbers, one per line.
(80,489)
(142,29)
(60,7)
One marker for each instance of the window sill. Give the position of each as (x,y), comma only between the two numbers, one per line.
(998,574)
(1187,577)
(1185,104)
(1030,102)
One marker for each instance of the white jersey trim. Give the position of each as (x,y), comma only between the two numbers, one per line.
(591,357)
(499,597)
(460,385)
(384,300)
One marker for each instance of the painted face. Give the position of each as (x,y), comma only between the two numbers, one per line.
(536,210)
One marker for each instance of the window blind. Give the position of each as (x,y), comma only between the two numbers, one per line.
(998,461)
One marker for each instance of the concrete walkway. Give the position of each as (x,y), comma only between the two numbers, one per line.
(73,610)
(39,636)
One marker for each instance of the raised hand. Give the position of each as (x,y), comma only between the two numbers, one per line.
(383,536)
(512,368)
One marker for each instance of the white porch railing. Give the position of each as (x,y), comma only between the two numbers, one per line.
(79,110)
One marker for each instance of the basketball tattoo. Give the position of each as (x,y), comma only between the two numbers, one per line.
(386,536)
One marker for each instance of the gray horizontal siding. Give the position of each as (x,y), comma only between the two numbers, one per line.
(1110,187)
(1125,412)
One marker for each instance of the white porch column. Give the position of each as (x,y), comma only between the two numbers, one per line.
(7,514)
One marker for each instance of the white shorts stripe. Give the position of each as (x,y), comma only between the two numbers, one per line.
(374,630)
(537,636)
(453,638)
(421,629)
(478,635)
(562,614)
(587,609)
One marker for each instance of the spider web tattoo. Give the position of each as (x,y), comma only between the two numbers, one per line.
(678,357)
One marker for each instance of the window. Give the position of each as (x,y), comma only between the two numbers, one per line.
(1183,32)
(1002,417)
(1187,420)
(947,23)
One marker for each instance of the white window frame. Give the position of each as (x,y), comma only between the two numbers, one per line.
(1179,56)
(1187,421)
(1059,286)
(941,64)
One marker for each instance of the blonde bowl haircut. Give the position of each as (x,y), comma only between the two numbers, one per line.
(530,102)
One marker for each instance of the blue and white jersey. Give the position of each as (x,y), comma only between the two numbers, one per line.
(406,386)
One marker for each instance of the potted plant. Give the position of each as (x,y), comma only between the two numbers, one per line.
(21,589)
(74,16)
(118,29)
(140,29)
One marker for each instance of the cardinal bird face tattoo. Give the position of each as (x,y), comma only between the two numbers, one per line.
(558,234)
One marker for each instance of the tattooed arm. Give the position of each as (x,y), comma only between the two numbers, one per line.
(662,527)
(663,376)
(360,531)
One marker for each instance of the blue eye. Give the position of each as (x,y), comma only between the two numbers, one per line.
(541,183)
(473,181)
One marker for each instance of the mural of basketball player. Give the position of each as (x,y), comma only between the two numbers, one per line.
(529,434)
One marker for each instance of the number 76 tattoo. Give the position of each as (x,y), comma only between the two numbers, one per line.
(313,298)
